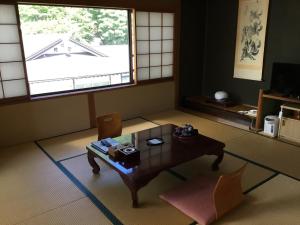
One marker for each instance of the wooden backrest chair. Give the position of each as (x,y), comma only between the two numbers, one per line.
(228,192)
(109,125)
(206,199)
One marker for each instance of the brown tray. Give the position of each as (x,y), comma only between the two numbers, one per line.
(186,138)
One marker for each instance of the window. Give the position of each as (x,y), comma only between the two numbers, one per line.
(12,76)
(64,49)
(72,48)
(154,35)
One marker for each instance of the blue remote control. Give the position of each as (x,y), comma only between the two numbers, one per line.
(105,143)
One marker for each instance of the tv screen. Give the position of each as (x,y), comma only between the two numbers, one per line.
(286,79)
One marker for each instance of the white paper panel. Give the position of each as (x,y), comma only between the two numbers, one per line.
(167,58)
(10,52)
(143,74)
(155,19)
(9,34)
(7,14)
(1,92)
(168,33)
(167,71)
(155,59)
(168,19)
(11,71)
(155,33)
(142,33)
(142,19)
(14,88)
(155,46)
(155,72)
(142,60)
(168,46)
(142,47)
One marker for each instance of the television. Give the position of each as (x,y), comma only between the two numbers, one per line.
(286,79)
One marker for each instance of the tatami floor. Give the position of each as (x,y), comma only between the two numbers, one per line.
(50,181)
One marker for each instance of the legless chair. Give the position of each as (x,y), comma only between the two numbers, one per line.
(206,199)
(109,125)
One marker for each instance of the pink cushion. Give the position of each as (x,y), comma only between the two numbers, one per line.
(195,199)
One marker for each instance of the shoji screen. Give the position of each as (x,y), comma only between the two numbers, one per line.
(154,45)
(12,76)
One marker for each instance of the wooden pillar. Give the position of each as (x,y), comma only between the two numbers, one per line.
(92,110)
(258,124)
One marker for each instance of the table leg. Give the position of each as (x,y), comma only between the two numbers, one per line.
(215,165)
(135,185)
(92,162)
(135,201)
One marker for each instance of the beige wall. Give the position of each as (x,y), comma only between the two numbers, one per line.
(31,121)
(141,100)
(35,120)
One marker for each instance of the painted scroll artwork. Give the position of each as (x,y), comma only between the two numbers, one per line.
(250,41)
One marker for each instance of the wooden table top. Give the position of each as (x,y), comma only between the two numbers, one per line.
(154,159)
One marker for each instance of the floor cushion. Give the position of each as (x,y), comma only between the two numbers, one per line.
(194,198)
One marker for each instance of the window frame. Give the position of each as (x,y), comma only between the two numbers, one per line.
(131,8)
(90,89)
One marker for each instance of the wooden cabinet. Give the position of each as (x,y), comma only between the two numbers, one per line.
(263,96)
(289,127)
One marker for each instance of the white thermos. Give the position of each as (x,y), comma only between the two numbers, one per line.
(271,125)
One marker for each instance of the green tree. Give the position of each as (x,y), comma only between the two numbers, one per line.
(84,24)
(109,25)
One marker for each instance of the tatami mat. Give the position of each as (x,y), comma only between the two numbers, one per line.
(134,125)
(31,184)
(114,194)
(206,127)
(70,145)
(266,151)
(276,202)
(34,190)
(81,212)
(202,166)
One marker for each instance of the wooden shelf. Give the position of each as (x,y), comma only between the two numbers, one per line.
(277,96)
(270,95)
(206,105)
(291,106)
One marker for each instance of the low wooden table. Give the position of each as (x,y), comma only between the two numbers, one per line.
(155,159)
